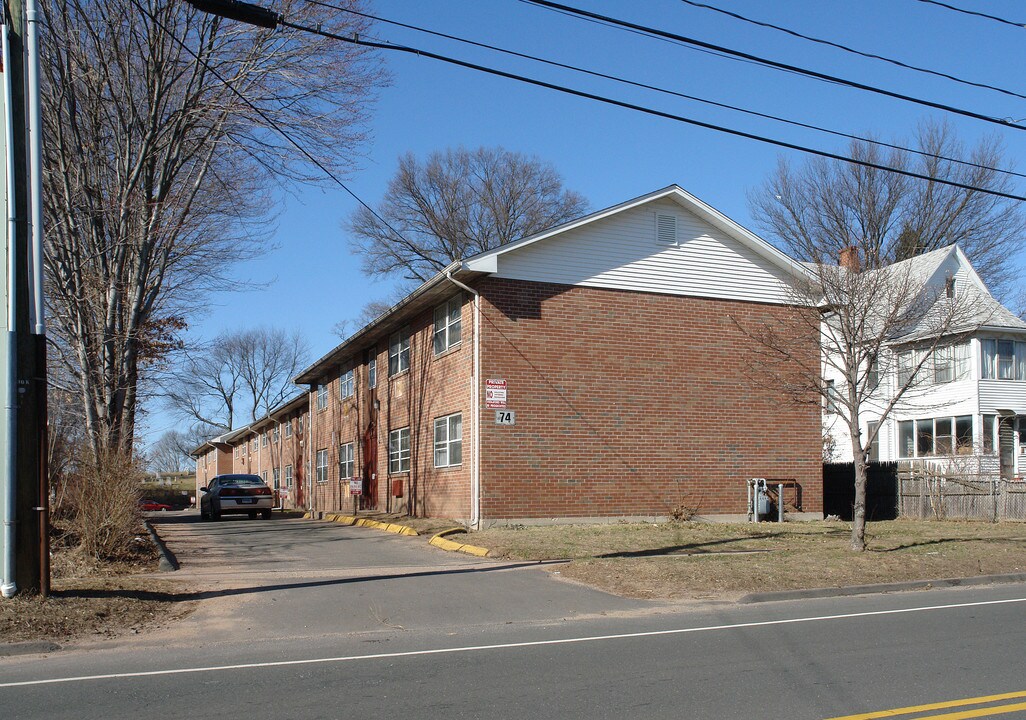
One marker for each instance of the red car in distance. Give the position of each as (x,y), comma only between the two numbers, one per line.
(147,505)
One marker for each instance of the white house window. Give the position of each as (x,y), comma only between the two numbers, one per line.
(322,465)
(288,476)
(988,434)
(399,450)
(832,396)
(935,436)
(874,446)
(399,352)
(448,324)
(263,439)
(322,397)
(345,385)
(276,434)
(277,478)
(288,428)
(666,229)
(372,373)
(449,440)
(950,362)
(345,461)
(1003,360)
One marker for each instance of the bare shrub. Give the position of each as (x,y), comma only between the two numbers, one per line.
(103,496)
(686,507)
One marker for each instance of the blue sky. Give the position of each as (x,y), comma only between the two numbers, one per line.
(611,154)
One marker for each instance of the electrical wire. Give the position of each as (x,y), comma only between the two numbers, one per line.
(270,121)
(976,13)
(674,93)
(547,4)
(640,108)
(852,50)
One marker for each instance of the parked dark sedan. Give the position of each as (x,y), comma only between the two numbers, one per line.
(236,494)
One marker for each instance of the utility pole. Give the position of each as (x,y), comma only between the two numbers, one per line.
(25,524)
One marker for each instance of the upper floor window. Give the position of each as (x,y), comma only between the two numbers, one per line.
(263,439)
(1003,360)
(288,428)
(345,385)
(322,397)
(372,373)
(448,324)
(399,352)
(299,424)
(276,434)
(832,396)
(950,362)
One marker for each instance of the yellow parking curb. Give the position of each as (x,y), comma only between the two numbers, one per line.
(439,541)
(367,522)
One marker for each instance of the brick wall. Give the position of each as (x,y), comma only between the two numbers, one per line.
(632,403)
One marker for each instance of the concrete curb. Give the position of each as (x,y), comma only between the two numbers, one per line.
(439,541)
(367,522)
(168,561)
(812,593)
(27,648)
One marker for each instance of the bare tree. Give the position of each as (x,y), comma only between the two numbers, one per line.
(170,453)
(239,371)
(884,313)
(368,314)
(456,204)
(817,209)
(155,171)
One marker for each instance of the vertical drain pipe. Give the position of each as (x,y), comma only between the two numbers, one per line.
(9,586)
(475,401)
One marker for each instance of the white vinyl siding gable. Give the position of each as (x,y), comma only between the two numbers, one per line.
(627,251)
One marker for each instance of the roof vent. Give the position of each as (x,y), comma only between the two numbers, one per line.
(666,229)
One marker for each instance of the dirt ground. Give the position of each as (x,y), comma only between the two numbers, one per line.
(680,561)
(95,600)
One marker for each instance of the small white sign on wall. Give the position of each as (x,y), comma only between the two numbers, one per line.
(505,417)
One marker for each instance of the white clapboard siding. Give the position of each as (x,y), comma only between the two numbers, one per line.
(1003,395)
(622,252)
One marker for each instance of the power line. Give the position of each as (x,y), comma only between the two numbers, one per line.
(976,13)
(270,121)
(845,48)
(775,64)
(640,108)
(666,91)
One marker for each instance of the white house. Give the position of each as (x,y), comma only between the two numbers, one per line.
(967,403)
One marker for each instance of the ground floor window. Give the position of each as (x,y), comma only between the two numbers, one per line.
(935,436)
(277,478)
(322,465)
(399,450)
(449,440)
(288,476)
(345,460)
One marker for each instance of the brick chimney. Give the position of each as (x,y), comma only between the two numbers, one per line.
(848,258)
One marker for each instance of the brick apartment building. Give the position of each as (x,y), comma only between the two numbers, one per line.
(592,371)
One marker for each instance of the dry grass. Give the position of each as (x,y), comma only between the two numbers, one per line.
(94,599)
(705,560)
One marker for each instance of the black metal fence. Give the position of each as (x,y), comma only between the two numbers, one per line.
(881,490)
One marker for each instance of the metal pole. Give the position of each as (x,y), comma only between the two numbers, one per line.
(780,502)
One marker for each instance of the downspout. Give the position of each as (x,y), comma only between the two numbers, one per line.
(9,586)
(35,133)
(475,390)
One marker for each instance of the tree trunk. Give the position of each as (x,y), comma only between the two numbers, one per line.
(858,526)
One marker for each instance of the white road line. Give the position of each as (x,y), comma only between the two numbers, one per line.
(506,646)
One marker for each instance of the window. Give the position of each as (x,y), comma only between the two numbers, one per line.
(345,461)
(253,445)
(288,477)
(936,436)
(372,373)
(873,374)
(322,397)
(299,424)
(1003,360)
(263,476)
(277,478)
(449,440)
(322,465)
(276,434)
(236,451)
(288,428)
(874,445)
(950,362)
(345,385)
(263,439)
(399,451)
(448,325)
(831,396)
(666,229)
(399,352)
(906,363)
(988,434)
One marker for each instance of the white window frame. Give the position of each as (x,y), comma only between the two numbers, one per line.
(346,465)
(449,440)
(399,451)
(288,476)
(399,352)
(372,372)
(322,397)
(346,384)
(448,325)
(322,465)
(288,428)
(276,434)
(263,439)
(276,476)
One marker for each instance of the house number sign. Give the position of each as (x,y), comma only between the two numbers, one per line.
(505,417)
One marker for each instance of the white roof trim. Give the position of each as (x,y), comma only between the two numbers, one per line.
(488,261)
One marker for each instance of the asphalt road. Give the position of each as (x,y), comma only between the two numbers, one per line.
(477,639)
